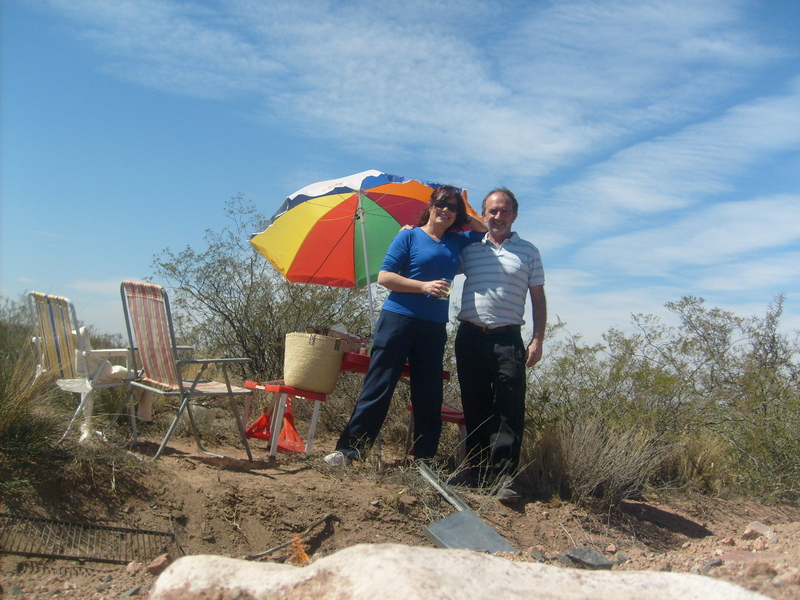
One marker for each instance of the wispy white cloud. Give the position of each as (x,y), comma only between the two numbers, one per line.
(590,306)
(180,47)
(714,235)
(562,78)
(775,272)
(694,164)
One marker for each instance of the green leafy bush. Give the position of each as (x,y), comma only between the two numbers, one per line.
(722,389)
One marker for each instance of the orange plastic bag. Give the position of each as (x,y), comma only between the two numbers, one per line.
(289,440)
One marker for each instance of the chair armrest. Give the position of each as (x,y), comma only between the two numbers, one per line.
(178,348)
(209,361)
(109,352)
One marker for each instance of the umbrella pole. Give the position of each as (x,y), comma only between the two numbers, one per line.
(361,215)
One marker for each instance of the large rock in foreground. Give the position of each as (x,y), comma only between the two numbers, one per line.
(391,571)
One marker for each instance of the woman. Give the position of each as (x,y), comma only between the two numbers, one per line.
(412,325)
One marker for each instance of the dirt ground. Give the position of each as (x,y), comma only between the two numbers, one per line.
(230,507)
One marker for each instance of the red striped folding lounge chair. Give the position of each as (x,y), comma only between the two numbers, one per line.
(152,335)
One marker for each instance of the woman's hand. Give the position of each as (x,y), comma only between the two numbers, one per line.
(437,288)
(398,283)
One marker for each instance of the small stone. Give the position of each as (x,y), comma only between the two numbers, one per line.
(210,539)
(565,560)
(686,545)
(759,545)
(537,555)
(728,541)
(134,591)
(710,564)
(14,590)
(611,549)
(788,578)
(589,558)
(158,564)
(133,567)
(103,587)
(757,529)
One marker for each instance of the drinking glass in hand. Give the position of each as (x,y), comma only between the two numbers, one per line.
(446,293)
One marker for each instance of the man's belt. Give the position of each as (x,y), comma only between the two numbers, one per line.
(492,330)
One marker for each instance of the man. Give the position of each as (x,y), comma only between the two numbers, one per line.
(502,270)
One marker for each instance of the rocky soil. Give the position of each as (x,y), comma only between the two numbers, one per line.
(296,506)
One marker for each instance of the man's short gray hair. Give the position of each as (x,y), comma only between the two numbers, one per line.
(502,190)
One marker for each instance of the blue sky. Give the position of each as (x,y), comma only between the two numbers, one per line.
(654,145)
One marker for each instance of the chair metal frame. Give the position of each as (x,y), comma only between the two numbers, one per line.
(151,334)
(63,353)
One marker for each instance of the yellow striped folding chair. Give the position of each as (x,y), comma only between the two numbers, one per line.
(65,354)
(151,336)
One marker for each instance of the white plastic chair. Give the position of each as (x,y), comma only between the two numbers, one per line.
(66,355)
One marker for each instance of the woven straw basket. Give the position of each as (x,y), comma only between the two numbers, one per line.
(312,362)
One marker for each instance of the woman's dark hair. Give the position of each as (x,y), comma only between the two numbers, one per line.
(446,193)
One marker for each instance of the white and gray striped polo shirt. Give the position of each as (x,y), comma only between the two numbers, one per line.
(498,280)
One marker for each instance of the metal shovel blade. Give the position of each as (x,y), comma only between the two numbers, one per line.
(464,529)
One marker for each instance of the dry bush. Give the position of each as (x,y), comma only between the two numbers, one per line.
(598,462)
(26,422)
(105,471)
(20,392)
(540,471)
(702,461)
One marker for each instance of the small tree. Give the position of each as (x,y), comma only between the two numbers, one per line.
(229,300)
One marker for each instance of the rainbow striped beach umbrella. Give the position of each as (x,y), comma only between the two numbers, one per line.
(337,232)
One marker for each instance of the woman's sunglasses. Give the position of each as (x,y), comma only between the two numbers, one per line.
(453,206)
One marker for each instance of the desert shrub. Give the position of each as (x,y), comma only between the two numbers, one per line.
(701,461)
(15,328)
(26,432)
(768,457)
(606,462)
(724,390)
